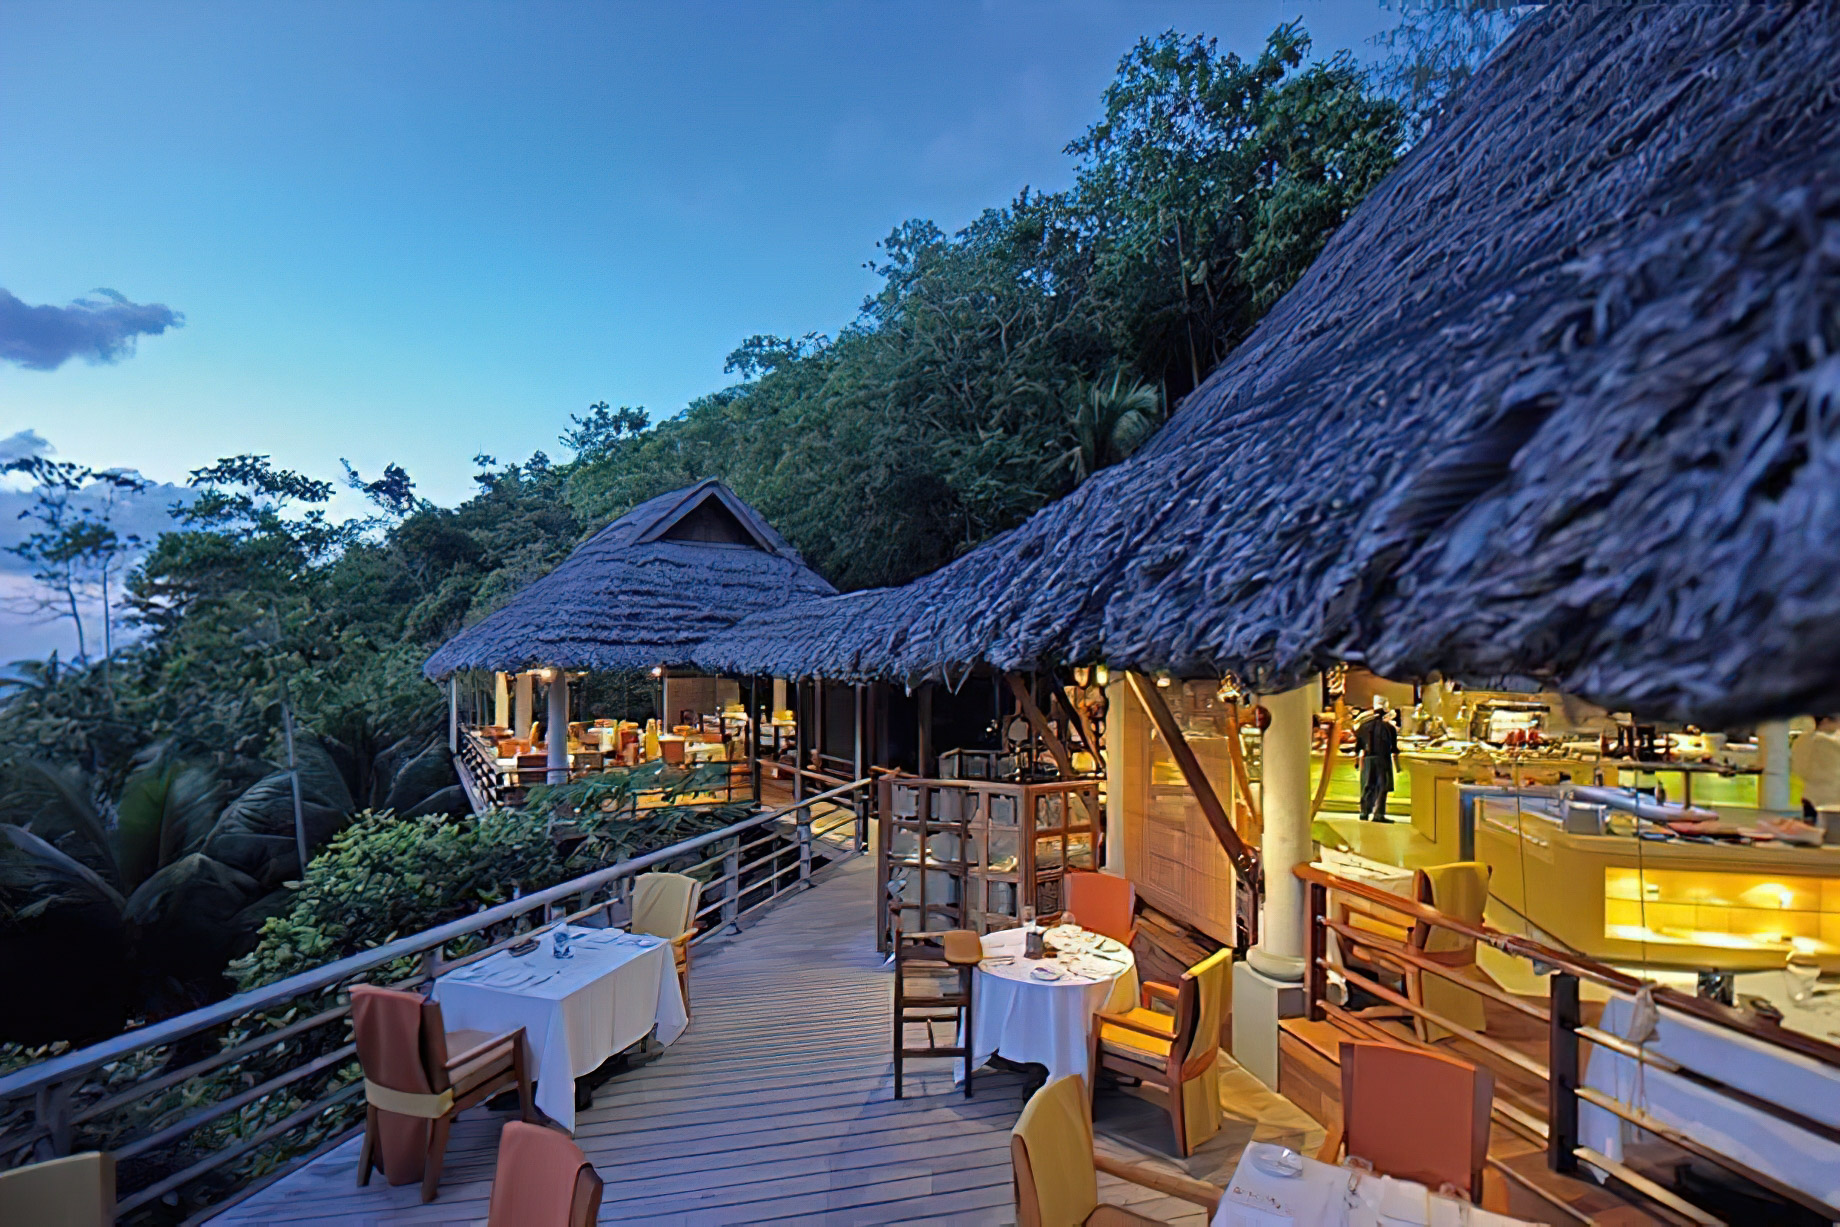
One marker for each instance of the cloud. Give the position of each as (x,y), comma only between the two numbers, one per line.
(95,329)
(22,445)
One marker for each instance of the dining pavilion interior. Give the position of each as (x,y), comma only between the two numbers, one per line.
(1540,453)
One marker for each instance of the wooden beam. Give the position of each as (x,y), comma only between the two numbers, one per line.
(1245,861)
(1040,724)
(1079,721)
(924,718)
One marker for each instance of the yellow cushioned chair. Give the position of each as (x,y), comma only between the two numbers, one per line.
(1057,1173)
(1459,890)
(664,905)
(1178,1051)
(78,1191)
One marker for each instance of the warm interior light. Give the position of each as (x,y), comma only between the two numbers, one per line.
(1102,675)
(657,670)
(1162,679)
(1080,676)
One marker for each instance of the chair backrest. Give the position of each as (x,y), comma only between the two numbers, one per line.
(402,1044)
(664,904)
(1051,1153)
(543,1180)
(76,1191)
(1102,902)
(1460,890)
(1417,1115)
(1201,1010)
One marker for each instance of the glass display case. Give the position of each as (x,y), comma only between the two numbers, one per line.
(971,854)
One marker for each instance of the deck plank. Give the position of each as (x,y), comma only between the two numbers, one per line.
(777,1104)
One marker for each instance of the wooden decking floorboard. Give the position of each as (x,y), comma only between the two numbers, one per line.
(777,1104)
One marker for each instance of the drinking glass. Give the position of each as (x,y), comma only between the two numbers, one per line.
(1802,971)
(559,945)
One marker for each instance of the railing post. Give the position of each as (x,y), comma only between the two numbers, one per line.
(802,825)
(431,962)
(1316,950)
(731,898)
(1562,1083)
(51,1108)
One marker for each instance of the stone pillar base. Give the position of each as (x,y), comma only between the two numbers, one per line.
(1259,1001)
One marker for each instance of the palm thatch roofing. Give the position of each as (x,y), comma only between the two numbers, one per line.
(1560,399)
(643,591)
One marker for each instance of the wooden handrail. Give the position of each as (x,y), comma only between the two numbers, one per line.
(1585,969)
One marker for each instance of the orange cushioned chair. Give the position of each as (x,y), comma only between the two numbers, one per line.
(1104,903)
(413,1088)
(543,1180)
(1414,1115)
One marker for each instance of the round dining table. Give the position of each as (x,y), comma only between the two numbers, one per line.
(1041,1011)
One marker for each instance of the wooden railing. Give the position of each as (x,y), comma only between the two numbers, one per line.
(1561,1018)
(486,783)
(145,1095)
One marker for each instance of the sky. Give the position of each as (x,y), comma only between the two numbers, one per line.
(414,232)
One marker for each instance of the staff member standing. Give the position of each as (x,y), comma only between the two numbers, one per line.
(1376,742)
(1816,759)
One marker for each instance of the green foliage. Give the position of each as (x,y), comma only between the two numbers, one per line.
(385,877)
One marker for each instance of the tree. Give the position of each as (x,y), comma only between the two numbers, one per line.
(75,552)
(1111,419)
(603,429)
(1437,46)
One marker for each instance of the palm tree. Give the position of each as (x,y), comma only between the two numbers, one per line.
(1111,419)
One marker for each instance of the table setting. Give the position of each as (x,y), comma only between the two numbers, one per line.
(1039,1010)
(1274,1185)
(581,994)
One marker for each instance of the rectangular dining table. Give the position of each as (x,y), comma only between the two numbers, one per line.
(1319,1196)
(614,990)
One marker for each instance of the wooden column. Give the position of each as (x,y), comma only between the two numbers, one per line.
(751,730)
(556,729)
(799,689)
(924,721)
(861,765)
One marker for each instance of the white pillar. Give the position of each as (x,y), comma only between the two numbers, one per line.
(1118,701)
(779,696)
(556,728)
(526,704)
(501,701)
(1773,744)
(1269,984)
(1285,773)
(453,713)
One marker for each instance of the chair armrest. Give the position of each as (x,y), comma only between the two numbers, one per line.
(479,1050)
(683,939)
(1131,1024)
(1167,993)
(1197,1191)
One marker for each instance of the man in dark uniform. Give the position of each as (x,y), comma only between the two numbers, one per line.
(1376,742)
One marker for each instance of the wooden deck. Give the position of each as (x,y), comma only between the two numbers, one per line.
(776,1104)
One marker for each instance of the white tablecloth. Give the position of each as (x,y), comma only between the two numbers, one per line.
(1754,1138)
(606,998)
(1049,1023)
(1315,1197)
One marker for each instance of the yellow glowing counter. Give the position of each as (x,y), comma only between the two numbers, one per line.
(1680,904)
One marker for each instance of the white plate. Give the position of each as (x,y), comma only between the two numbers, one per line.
(1278,1161)
(1045,973)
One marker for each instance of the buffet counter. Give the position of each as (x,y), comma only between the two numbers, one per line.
(1659,901)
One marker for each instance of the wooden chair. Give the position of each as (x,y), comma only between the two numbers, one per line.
(664,905)
(418,1077)
(75,1191)
(1057,1172)
(1177,1052)
(1102,902)
(542,1180)
(942,966)
(1461,891)
(1414,1115)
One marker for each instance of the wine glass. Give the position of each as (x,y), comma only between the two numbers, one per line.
(1802,971)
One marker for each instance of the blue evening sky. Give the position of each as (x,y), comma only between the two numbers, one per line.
(415,231)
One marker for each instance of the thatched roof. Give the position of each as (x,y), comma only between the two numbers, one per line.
(1560,399)
(643,591)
